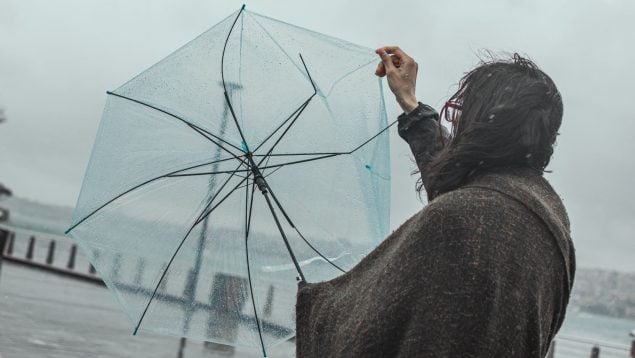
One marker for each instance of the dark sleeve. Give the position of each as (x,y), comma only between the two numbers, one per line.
(474,280)
(422,131)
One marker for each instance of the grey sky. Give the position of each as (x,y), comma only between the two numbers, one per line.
(57,59)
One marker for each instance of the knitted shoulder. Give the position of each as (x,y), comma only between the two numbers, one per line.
(472,201)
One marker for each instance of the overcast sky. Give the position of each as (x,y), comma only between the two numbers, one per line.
(57,59)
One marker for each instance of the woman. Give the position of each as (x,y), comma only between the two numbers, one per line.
(486,268)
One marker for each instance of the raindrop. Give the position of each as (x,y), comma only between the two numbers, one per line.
(528,155)
(481,162)
(491,116)
(489,75)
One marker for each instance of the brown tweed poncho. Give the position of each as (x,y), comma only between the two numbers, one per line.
(482,271)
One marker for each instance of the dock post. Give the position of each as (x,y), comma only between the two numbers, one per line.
(4,238)
(633,348)
(30,248)
(266,311)
(181,347)
(595,352)
(164,283)
(51,253)
(141,264)
(71,257)
(9,250)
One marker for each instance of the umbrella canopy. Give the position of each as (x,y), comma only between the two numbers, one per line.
(254,155)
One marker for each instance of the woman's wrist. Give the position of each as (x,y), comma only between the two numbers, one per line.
(408,104)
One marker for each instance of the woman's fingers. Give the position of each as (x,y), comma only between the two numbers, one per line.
(381,70)
(394,61)
(386,60)
(395,50)
(397,55)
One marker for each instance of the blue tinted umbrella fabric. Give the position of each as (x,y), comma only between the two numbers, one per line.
(170,213)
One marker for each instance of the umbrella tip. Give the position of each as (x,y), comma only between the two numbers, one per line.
(242,7)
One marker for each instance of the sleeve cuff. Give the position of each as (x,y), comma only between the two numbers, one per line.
(407,121)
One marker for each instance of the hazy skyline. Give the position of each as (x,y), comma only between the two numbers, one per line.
(58,59)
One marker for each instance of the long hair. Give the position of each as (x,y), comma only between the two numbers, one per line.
(509,115)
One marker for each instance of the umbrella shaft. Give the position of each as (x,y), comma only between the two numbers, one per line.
(284,237)
(258,178)
(262,185)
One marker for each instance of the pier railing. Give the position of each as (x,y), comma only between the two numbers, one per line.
(51,253)
(59,255)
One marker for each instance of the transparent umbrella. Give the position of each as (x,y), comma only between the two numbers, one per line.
(253,157)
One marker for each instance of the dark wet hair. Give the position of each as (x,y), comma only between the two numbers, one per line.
(510,115)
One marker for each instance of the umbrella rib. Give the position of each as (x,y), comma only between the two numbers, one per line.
(246,204)
(265,176)
(196,128)
(286,216)
(221,201)
(327,155)
(222,74)
(273,171)
(373,137)
(285,131)
(225,197)
(316,250)
(200,218)
(205,134)
(297,154)
(251,206)
(209,173)
(300,109)
(253,299)
(137,187)
(303,161)
(248,211)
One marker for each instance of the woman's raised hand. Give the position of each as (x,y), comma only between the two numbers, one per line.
(401,72)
